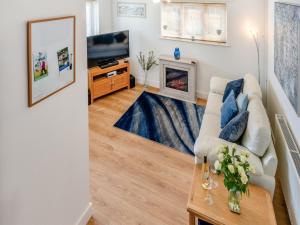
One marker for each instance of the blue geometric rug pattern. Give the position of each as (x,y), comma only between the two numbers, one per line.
(165,120)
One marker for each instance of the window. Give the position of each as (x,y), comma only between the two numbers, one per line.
(92,17)
(194,21)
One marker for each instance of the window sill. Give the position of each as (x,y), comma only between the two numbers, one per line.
(215,43)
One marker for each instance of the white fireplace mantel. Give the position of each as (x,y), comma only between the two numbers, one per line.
(186,68)
(181,60)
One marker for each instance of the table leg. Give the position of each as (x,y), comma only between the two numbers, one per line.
(192,219)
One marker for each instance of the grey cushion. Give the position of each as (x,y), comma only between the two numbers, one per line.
(242,102)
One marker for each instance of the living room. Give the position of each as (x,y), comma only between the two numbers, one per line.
(150,112)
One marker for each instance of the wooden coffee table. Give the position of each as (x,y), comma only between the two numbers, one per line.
(257,209)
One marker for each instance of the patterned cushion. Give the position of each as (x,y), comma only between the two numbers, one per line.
(229,109)
(236,86)
(242,102)
(234,130)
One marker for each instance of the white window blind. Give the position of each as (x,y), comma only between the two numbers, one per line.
(194,21)
(92,17)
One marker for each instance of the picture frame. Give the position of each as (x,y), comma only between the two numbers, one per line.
(51,56)
(131,9)
(287,39)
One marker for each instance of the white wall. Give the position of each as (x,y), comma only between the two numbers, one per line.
(105,13)
(230,62)
(278,102)
(43,150)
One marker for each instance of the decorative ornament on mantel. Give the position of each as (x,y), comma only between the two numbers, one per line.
(177,53)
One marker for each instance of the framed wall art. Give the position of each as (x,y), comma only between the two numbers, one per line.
(131,9)
(287,50)
(51,57)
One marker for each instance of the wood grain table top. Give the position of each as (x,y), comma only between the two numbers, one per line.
(257,209)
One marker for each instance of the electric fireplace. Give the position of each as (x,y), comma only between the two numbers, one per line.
(178,78)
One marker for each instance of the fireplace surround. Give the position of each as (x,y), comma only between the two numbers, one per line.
(178,78)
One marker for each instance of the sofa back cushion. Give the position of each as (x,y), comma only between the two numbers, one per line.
(257,136)
(251,86)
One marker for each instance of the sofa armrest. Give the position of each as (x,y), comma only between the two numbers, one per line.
(218,85)
(209,146)
(265,181)
(270,161)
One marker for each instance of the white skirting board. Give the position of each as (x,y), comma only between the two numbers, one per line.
(86,215)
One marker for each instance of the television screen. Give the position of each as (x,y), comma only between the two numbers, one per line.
(106,47)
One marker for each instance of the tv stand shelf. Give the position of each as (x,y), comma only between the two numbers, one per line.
(100,84)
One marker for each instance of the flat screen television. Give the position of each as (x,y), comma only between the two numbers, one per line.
(104,48)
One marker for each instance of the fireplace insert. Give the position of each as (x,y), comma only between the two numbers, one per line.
(177,79)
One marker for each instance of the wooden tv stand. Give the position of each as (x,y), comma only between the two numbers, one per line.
(100,84)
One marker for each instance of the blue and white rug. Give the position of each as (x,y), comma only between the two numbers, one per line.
(168,121)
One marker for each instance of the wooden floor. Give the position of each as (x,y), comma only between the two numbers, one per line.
(135,181)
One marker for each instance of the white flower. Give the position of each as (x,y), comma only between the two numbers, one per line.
(245,153)
(241,171)
(244,179)
(221,157)
(231,168)
(217,165)
(243,158)
(233,160)
(222,148)
(236,163)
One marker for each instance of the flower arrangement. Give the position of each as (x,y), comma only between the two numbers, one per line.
(236,170)
(147,63)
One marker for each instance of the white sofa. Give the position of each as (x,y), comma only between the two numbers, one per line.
(257,137)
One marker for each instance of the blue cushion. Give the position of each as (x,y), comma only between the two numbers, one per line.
(229,109)
(236,86)
(242,102)
(235,129)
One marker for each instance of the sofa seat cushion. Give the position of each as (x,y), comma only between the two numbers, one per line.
(209,146)
(257,136)
(214,104)
(251,86)
(210,126)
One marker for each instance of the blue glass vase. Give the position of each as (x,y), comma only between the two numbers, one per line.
(177,53)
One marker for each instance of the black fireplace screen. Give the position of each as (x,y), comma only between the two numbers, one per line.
(177,79)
